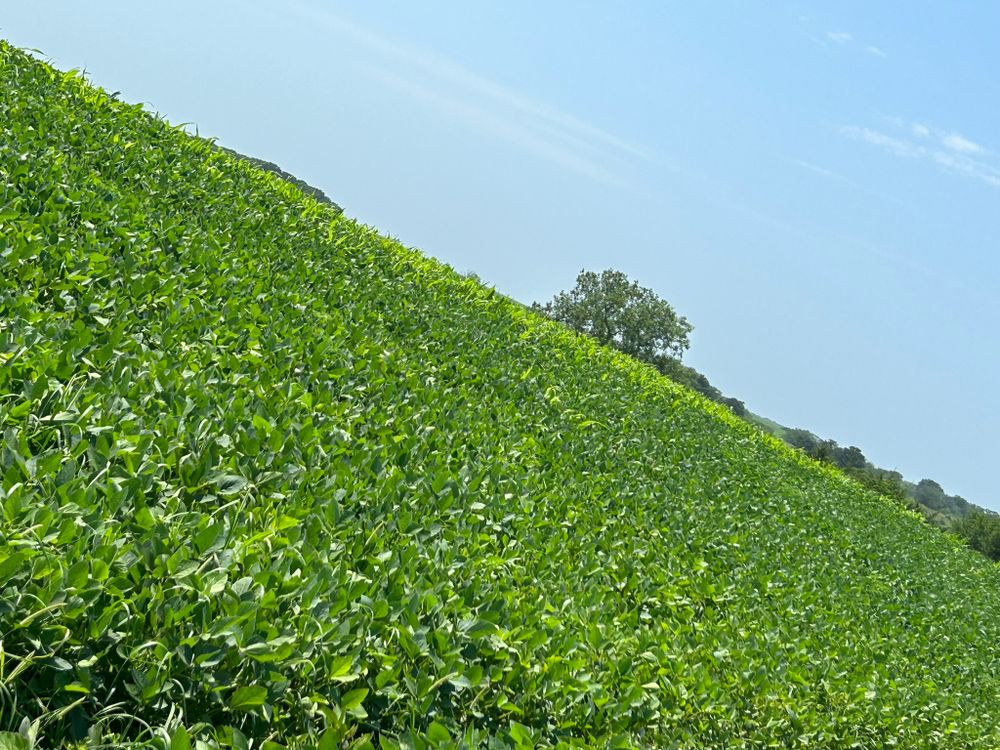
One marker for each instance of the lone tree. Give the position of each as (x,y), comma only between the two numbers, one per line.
(618,312)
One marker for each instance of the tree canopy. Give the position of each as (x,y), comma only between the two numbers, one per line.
(619,312)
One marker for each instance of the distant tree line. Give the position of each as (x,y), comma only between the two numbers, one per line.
(269,166)
(677,371)
(852,462)
(980,529)
(827,450)
(929,493)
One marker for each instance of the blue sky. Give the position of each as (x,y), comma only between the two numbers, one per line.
(814,186)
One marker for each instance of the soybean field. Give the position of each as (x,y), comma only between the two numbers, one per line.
(270,479)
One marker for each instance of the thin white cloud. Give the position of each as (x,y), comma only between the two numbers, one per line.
(487,122)
(841,38)
(957,154)
(821,171)
(965,165)
(485,105)
(962,145)
(893,145)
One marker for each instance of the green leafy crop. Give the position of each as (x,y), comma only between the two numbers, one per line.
(269,479)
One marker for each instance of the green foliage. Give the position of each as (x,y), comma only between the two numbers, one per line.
(927,496)
(618,312)
(886,483)
(268,479)
(929,493)
(981,531)
(829,451)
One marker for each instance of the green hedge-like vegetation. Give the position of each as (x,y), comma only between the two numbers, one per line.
(268,477)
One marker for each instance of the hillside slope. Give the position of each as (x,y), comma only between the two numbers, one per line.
(267,474)
(927,496)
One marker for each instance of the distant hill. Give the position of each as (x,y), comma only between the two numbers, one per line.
(270,479)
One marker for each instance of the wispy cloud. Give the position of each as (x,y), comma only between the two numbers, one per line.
(962,145)
(964,165)
(487,106)
(489,123)
(896,146)
(950,151)
(829,174)
(840,38)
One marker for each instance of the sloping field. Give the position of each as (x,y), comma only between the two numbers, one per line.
(267,475)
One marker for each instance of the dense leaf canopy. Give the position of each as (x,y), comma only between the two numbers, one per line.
(267,474)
